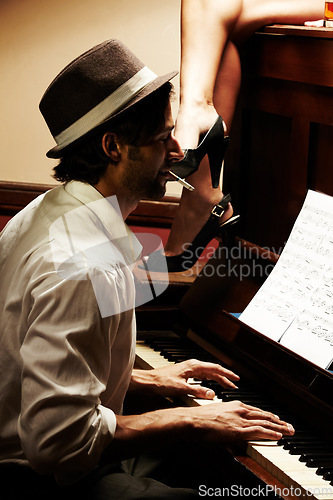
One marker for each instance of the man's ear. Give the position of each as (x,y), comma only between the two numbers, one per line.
(110,146)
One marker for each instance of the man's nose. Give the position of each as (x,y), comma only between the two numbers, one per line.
(175,152)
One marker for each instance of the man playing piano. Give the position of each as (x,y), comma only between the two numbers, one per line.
(67,304)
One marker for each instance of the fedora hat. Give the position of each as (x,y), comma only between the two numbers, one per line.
(93,89)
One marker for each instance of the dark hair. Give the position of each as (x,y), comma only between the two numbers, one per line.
(86,160)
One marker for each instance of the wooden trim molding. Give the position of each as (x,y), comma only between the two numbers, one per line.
(16,195)
(154,213)
(295,30)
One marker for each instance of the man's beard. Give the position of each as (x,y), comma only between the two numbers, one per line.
(156,191)
(138,181)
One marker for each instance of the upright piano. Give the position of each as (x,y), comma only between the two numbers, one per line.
(282,145)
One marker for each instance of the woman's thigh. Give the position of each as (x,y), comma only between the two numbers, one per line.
(258,13)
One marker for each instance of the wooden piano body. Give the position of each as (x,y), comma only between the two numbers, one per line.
(282,145)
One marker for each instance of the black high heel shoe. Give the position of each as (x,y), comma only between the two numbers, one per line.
(184,261)
(214,144)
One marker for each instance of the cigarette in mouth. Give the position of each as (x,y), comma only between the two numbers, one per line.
(182,182)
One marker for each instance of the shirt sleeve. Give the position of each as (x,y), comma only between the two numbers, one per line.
(66,356)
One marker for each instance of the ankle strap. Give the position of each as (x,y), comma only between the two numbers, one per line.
(219,209)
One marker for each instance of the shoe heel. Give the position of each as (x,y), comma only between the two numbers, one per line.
(215,157)
(228,232)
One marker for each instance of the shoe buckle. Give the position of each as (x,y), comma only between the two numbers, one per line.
(218,211)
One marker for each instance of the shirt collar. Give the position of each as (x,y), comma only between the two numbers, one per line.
(108,213)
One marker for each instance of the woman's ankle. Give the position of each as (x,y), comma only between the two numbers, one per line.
(192,215)
(192,121)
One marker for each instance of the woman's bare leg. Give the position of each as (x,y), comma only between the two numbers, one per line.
(205,28)
(258,13)
(210,78)
(227,84)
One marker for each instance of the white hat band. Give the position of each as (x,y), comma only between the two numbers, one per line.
(106,108)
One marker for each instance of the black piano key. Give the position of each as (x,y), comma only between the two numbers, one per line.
(328,476)
(170,349)
(304,443)
(319,462)
(174,354)
(322,470)
(328,454)
(236,395)
(176,358)
(211,384)
(240,390)
(250,395)
(299,450)
(286,441)
(181,355)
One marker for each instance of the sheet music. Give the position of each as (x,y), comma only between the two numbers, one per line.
(294,306)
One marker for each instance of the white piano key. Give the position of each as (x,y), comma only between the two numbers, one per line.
(288,469)
(148,358)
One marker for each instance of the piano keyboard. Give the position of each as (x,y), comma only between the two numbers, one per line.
(299,477)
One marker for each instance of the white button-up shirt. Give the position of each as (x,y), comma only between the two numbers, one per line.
(67,329)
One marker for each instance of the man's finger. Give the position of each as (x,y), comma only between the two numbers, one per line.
(258,432)
(200,392)
(211,371)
